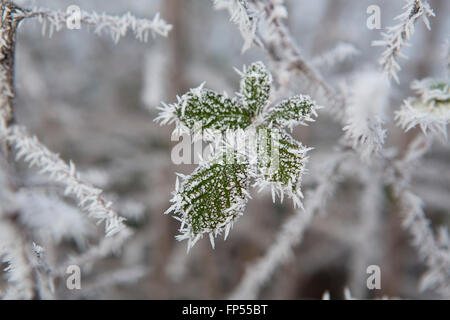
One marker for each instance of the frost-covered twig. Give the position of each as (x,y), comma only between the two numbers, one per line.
(241,16)
(365,113)
(9,23)
(116,26)
(89,198)
(434,250)
(290,235)
(395,37)
(431,110)
(341,52)
(281,46)
(277,40)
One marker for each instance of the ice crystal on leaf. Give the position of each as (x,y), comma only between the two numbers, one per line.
(215,194)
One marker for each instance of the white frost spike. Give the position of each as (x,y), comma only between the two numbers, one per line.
(198,90)
(227,231)
(167,114)
(211,239)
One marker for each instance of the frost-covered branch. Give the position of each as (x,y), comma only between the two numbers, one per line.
(435,251)
(276,39)
(8,27)
(241,16)
(395,38)
(341,52)
(116,26)
(89,198)
(431,110)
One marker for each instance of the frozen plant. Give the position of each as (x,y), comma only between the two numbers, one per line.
(116,26)
(395,38)
(273,159)
(430,111)
(28,273)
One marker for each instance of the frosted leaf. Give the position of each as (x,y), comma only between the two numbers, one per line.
(215,194)
(202,109)
(211,198)
(281,163)
(292,112)
(255,87)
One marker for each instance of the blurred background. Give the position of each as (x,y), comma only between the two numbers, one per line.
(94,102)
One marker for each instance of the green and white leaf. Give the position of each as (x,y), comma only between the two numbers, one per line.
(252,144)
(281,164)
(211,198)
(255,87)
(292,112)
(202,109)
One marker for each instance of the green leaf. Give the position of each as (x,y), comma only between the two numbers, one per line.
(212,197)
(281,163)
(255,87)
(206,109)
(292,112)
